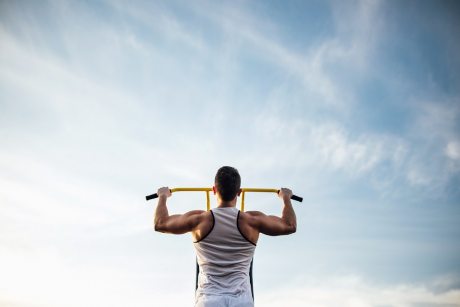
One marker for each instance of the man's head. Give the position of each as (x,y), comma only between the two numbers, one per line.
(227,182)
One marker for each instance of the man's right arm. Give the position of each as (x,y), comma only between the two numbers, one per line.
(273,225)
(174,224)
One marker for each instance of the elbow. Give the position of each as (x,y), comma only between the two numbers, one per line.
(291,229)
(157,226)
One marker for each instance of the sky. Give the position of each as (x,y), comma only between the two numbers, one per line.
(353,105)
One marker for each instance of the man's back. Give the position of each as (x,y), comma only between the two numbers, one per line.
(224,256)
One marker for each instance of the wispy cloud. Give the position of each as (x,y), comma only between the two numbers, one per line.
(453,150)
(353,291)
(45,278)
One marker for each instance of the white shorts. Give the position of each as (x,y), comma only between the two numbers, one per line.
(224,301)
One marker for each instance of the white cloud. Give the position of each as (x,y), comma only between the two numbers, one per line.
(417,176)
(386,159)
(350,50)
(453,150)
(353,291)
(329,146)
(436,119)
(341,153)
(45,278)
(433,139)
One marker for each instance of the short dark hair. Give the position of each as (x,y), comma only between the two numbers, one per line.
(227,182)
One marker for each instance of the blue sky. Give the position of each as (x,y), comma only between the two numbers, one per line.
(355,106)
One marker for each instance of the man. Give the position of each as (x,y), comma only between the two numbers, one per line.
(225,239)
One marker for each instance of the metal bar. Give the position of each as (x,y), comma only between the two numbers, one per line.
(207,190)
(259,190)
(190,189)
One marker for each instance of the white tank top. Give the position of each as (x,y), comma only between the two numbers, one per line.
(224,256)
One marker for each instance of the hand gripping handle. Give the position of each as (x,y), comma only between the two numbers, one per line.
(153,196)
(295,197)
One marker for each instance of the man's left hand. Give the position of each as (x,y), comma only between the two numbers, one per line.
(164,192)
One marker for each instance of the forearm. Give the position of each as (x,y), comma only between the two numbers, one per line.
(161,214)
(288,215)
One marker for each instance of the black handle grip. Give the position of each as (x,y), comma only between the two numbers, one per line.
(294,197)
(153,196)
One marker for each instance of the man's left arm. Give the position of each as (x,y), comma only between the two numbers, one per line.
(174,224)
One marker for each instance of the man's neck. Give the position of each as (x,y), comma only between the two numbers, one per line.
(226,204)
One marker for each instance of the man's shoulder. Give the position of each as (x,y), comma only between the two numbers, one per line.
(193,212)
(251,217)
(198,213)
(252,213)
(198,217)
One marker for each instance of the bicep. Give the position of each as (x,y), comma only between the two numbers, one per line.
(181,223)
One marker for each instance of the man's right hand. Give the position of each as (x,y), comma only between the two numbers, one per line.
(285,193)
(164,192)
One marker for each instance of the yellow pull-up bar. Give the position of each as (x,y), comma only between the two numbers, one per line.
(207,190)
